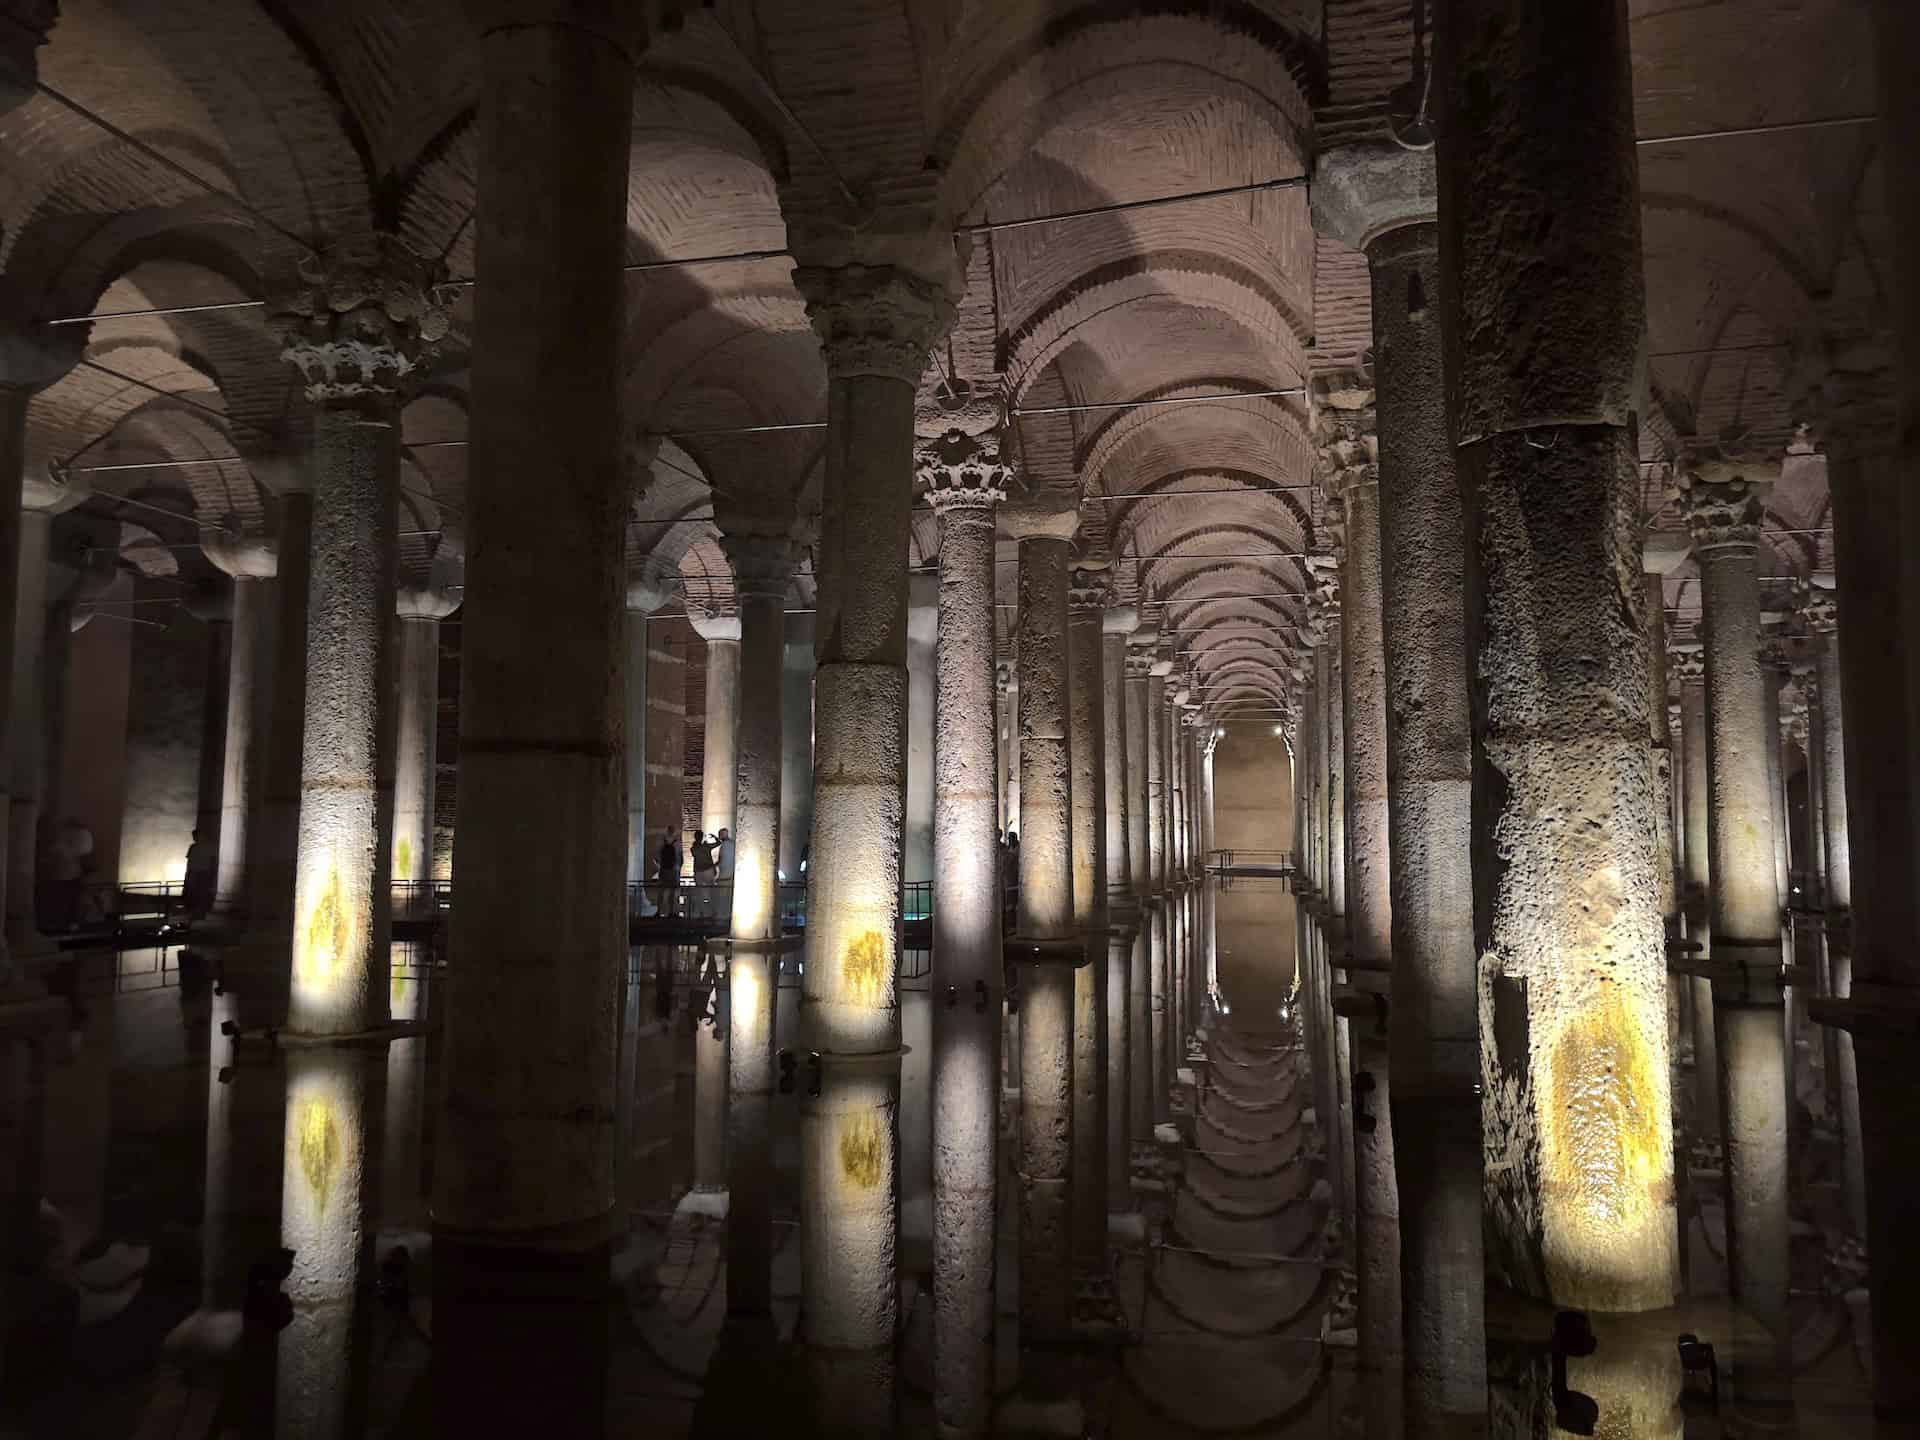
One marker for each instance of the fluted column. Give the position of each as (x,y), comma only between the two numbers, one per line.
(416,731)
(1139,667)
(1542,350)
(719,776)
(1087,598)
(876,324)
(966,479)
(1119,622)
(525,1170)
(762,569)
(1045,1159)
(355,358)
(1724,495)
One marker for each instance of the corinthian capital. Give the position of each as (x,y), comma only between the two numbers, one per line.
(1345,437)
(874,319)
(1687,665)
(762,564)
(1723,490)
(1089,589)
(366,313)
(1816,609)
(963,470)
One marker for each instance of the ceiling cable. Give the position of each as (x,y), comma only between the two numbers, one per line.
(1290,182)
(1779,129)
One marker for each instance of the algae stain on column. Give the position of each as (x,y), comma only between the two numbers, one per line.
(863,970)
(862,1151)
(403,861)
(328,934)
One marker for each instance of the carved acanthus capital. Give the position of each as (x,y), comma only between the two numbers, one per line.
(1776,652)
(1723,488)
(1089,589)
(1345,434)
(1139,663)
(1322,597)
(963,471)
(762,564)
(1816,609)
(366,314)
(874,319)
(1688,665)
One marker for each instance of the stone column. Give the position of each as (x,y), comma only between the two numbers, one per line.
(719,779)
(1086,606)
(1045,1161)
(1119,622)
(923,625)
(876,324)
(1139,667)
(276,831)
(1330,685)
(421,608)
(796,753)
(1724,495)
(211,603)
(1158,987)
(644,597)
(762,569)
(1541,352)
(1688,665)
(1009,696)
(368,315)
(251,561)
(525,1172)
(965,475)
(1820,617)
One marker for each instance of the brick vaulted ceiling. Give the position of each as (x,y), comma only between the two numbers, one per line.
(251,127)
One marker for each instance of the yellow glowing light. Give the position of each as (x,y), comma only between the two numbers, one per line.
(863,969)
(403,860)
(327,934)
(317,1140)
(1603,1140)
(749,896)
(862,1151)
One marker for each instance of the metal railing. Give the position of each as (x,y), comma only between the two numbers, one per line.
(1276,860)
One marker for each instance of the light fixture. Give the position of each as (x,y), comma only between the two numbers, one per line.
(1279,729)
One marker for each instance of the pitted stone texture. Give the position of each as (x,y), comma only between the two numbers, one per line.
(1536,127)
(1573,967)
(365,316)
(874,319)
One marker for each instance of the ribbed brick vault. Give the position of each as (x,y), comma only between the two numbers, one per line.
(250,128)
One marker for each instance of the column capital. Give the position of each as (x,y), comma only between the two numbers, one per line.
(1139,663)
(619,23)
(1687,664)
(874,319)
(1777,652)
(1345,435)
(1815,607)
(1035,520)
(1088,589)
(1723,493)
(1006,676)
(715,629)
(1161,667)
(647,593)
(1120,620)
(230,549)
(425,602)
(1794,707)
(364,314)
(762,564)
(963,471)
(1366,190)
(1664,551)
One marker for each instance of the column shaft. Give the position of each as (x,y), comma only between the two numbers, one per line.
(1433,1026)
(967,971)
(1140,864)
(1161,1074)
(1837,888)
(719,780)
(1088,751)
(525,1172)
(1541,349)
(341,901)
(640,849)
(1694,813)
(270,862)
(245,748)
(1122,915)
(416,734)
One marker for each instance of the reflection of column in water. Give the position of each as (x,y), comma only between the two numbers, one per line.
(330,1177)
(403,1207)
(241,1216)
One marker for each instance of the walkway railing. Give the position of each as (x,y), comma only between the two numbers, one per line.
(1251,862)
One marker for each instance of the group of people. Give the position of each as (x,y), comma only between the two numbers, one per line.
(712,868)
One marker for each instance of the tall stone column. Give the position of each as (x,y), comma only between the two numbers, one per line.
(1045,1162)
(876,324)
(525,1172)
(1820,617)
(1139,668)
(762,569)
(421,608)
(719,779)
(923,626)
(1009,696)
(251,561)
(796,755)
(211,603)
(965,475)
(645,596)
(276,831)
(1689,667)
(1724,495)
(1535,136)
(369,314)
(1087,598)
(1123,913)
(1330,685)
(1345,438)
(1158,988)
